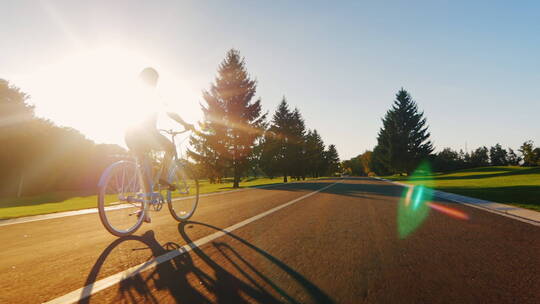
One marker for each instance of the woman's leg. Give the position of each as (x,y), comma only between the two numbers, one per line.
(167,146)
(137,143)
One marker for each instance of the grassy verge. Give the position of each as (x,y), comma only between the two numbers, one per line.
(516,186)
(68,201)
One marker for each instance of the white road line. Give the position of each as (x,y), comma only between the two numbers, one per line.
(49,216)
(102,284)
(481,206)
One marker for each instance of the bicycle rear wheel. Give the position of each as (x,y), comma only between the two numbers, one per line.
(183,201)
(120,198)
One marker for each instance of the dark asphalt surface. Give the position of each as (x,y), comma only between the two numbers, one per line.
(339,245)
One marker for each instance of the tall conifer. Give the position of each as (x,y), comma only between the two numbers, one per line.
(232,120)
(403,140)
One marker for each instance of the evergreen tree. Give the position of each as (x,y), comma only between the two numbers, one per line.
(403,141)
(232,121)
(274,151)
(283,144)
(269,156)
(296,146)
(378,162)
(209,143)
(314,155)
(331,160)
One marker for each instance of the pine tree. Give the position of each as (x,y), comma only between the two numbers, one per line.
(209,144)
(296,146)
(274,151)
(331,159)
(232,121)
(269,155)
(283,147)
(403,141)
(314,154)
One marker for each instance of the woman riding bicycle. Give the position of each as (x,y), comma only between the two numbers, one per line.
(143,135)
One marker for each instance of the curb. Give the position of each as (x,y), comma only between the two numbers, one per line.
(521,214)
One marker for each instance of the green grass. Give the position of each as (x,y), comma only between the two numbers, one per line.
(516,186)
(67,201)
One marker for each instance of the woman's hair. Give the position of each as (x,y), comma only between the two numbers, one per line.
(149,76)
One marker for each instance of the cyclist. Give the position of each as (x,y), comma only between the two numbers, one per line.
(143,135)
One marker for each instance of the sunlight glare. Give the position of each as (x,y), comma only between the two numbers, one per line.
(94,91)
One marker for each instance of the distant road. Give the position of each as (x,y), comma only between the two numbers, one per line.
(322,241)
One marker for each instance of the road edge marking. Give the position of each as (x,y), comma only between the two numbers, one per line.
(109,281)
(55,215)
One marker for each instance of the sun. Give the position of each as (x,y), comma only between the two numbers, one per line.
(94,91)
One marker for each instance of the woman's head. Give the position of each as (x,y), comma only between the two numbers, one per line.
(149,76)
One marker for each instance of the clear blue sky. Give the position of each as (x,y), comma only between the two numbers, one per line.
(474,68)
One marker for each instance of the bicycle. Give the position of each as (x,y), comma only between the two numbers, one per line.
(123,202)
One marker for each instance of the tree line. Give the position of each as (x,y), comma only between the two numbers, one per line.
(236,139)
(451,160)
(37,156)
(404,141)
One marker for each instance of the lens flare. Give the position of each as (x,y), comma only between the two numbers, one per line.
(412,210)
(416,202)
(449,211)
(418,199)
(408,196)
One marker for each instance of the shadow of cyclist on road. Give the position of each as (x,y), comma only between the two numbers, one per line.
(233,271)
(232,279)
(166,276)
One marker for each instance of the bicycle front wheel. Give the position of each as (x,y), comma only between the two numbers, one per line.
(121,198)
(183,201)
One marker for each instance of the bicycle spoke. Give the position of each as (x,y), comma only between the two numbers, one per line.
(123,177)
(117,184)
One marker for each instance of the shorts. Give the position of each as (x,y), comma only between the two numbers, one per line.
(143,141)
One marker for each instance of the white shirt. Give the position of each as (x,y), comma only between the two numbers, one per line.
(149,111)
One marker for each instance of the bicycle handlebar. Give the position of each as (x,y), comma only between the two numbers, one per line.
(174,133)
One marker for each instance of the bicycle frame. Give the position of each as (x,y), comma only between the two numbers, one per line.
(133,185)
(146,171)
(145,168)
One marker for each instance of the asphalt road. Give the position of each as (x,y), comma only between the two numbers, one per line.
(338,245)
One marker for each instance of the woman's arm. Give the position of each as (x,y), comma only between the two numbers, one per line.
(179,119)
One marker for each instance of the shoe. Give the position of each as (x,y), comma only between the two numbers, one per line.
(169,186)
